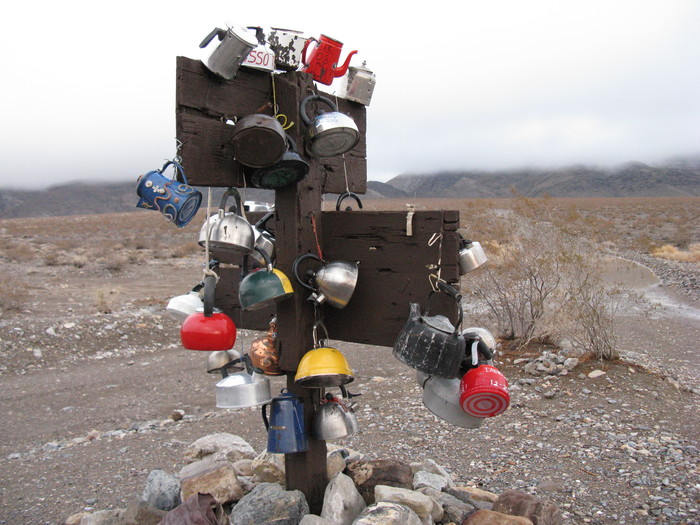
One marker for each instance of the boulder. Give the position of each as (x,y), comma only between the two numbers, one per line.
(387,513)
(313,519)
(138,512)
(336,462)
(454,509)
(269,503)
(219,480)
(104,517)
(538,511)
(162,490)
(427,479)
(368,474)
(424,506)
(220,447)
(489,517)
(269,468)
(342,502)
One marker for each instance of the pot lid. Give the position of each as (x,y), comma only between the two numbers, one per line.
(244,36)
(439,322)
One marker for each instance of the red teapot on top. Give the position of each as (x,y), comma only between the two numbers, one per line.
(323,59)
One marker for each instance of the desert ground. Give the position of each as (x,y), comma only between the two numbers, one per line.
(91,371)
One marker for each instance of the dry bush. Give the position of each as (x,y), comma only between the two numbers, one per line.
(542,284)
(105,300)
(667,251)
(14,294)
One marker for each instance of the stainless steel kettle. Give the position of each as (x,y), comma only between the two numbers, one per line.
(471,256)
(230,235)
(333,283)
(329,134)
(335,418)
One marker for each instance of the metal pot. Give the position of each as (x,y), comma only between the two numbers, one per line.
(234,47)
(322,366)
(334,419)
(258,140)
(208,328)
(262,57)
(290,169)
(471,256)
(334,283)
(229,233)
(432,344)
(441,397)
(262,287)
(264,240)
(285,428)
(329,134)
(359,85)
(243,389)
(220,361)
(287,45)
(182,306)
(484,392)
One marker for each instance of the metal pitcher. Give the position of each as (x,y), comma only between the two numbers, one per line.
(285,426)
(287,45)
(233,49)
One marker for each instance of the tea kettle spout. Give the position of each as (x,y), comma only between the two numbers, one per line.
(340,71)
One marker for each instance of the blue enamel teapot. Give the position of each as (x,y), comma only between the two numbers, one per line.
(177,201)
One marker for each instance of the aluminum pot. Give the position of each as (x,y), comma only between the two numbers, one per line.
(233,49)
(441,397)
(244,389)
(230,235)
(335,418)
(182,306)
(471,256)
(258,140)
(220,361)
(329,134)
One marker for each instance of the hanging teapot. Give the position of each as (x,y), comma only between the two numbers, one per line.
(329,134)
(334,283)
(230,235)
(264,286)
(208,328)
(480,347)
(359,85)
(264,352)
(258,140)
(182,306)
(244,389)
(441,397)
(335,418)
(234,46)
(219,361)
(177,201)
(471,256)
(287,45)
(285,427)
(484,392)
(323,58)
(262,57)
(432,344)
(290,169)
(322,366)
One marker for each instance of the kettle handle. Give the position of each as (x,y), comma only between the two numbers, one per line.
(263,409)
(315,333)
(246,257)
(178,168)
(303,50)
(320,98)
(209,291)
(345,195)
(237,197)
(260,225)
(295,268)
(221,33)
(452,292)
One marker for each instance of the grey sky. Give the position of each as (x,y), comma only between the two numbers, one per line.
(89,90)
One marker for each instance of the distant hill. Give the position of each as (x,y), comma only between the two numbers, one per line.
(633,179)
(675,178)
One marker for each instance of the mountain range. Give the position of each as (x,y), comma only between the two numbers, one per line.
(674,178)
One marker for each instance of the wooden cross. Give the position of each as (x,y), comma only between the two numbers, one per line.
(393,249)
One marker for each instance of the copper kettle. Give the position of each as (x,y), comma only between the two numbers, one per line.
(264,353)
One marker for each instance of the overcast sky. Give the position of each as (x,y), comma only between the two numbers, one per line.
(88,88)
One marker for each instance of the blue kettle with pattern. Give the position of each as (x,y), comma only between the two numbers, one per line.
(177,201)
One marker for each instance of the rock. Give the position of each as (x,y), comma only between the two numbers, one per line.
(219,480)
(570,363)
(243,467)
(472,494)
(342,502)
(595,373)
(489,517)
(429,465)
(368,474)
(138,512)
(162,490)
(313,519)
(269,468)
(336,463)
(221,447)
(387,513)
(177,415)
(549,486)
(516,503)
(74,519)
(421,504)
(104,517)
(455,510)
(427,479)
(270,503)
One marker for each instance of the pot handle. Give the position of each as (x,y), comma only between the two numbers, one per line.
(320,98)
(246,258)
(345,195)
(263,409)
(315,333)
(221,33)
(295,268)
(260,225)
(209,290)
(237,197)
(178,168)
(452,292)
(303,51)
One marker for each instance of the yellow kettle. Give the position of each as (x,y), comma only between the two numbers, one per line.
(323,366)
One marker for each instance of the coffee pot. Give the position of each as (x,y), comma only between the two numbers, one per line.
(262,57)
(333,283)
(235,44)
(322,60)
(285,426)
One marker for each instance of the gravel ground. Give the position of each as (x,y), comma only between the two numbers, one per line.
(86,401)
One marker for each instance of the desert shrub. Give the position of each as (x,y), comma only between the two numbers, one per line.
(542,284)
(14,294)
(667,251)
(105,300)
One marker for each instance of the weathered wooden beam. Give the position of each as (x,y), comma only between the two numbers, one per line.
(207,108)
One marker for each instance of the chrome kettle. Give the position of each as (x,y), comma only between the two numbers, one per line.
(335,418)
(334,283)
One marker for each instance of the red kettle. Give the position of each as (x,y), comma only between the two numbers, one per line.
(323,59)
(208,328)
